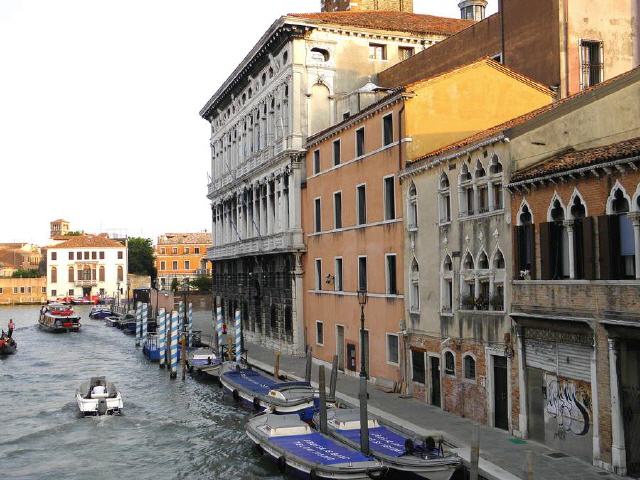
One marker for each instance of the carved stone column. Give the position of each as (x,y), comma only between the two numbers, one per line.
(618,451)
(568,224)
(635,220)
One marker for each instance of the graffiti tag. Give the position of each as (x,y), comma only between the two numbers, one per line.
(568,406)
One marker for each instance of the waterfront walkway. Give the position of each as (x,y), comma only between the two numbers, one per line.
(502,457)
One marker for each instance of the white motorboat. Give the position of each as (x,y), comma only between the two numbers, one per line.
(98,397)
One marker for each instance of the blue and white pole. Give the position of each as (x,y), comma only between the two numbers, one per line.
(190,325)
(145,314)
(238,337)
(162,336)
(180,317)
(138,323)
(173,345)
(219,330)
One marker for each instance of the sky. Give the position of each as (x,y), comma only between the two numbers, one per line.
(99,106)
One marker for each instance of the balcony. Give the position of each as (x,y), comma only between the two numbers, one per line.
(615,300)
(289,241)
(81,282)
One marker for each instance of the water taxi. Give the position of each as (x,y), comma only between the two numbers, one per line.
(98,397)
(59,319)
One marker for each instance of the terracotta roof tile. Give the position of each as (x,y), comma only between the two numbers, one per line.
(495,130)
(395,21)
(88,241)
(572,159)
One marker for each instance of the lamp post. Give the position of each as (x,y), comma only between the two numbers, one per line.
(118,294)
(364,421)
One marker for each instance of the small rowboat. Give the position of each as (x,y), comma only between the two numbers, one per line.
(298,449)
(398,450)
(264,392)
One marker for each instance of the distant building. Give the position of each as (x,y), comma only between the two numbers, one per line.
(367,5)
(87,265)
(19,256)
(58,229)
(15,291)
(181,256)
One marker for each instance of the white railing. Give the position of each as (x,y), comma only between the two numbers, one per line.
(283,241)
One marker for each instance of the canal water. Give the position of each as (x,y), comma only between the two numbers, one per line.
(169,430)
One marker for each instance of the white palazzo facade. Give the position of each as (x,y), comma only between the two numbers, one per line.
(287,88)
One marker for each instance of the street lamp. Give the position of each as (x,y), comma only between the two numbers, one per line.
(364,420)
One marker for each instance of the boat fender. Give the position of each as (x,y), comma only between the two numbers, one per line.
(408,446)
(102,406)
(236,395)
(282,464)
(377,473)
(256,403)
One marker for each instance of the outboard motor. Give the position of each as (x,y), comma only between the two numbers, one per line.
(102,406)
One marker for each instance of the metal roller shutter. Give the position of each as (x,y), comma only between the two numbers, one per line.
(574,361)
(540,354)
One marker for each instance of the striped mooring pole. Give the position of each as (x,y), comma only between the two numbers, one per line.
(238,337)
(138,323)
(173,345)
(145,314)
(180,317)
(162,336)
(190,325)
(219,330)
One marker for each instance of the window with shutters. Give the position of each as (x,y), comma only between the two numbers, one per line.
(582,235)
(446,300)
(360,142)
(444,199)
(387,129)
(391,274)
(389,198)
(101,274)
(317,215)
(591,62)
(71,274)
(554,244)
(54,274)
(412,207)
(362,273)
(361,204)
(338,280)
(414,292)
(337,210)
(316,162)
(418,367)
(619,231)
(336,152)
(318,282)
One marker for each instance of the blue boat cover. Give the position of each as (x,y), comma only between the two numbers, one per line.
(316,448)
(381,440)
(251,381)
(203,362)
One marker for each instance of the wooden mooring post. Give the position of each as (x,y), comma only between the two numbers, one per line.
(475,454)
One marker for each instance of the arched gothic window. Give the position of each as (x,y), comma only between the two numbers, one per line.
(444,198)
(524,251)
(412,206)
(496,166)
(619,260)
(483,262)
(415,287)
(449,363)
(447,285)
(469,367)
(554,244)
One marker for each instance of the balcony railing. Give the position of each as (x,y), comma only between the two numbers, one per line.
(288,241)
(82,282)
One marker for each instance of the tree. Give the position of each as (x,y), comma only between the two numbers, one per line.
(174,285)
(201,283)
(74,233)
(141,257)
(21,273)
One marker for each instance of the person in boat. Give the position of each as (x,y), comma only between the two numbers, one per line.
(98,389)
(12,326)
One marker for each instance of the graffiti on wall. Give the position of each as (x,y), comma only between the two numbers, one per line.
(570,404)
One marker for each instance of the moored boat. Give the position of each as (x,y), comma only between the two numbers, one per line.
(8,346)
(98,397)
(204,361)
(265,392)
(100,312)
(298,449)
(59,319)
(150,348)
(398,450)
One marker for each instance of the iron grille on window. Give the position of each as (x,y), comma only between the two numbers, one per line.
(591,62)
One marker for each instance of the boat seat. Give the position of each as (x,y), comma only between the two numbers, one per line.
(283,421)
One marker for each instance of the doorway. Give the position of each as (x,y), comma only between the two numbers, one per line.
(86,292)
(630,386)
(434,364)
(500,393)
(340,346)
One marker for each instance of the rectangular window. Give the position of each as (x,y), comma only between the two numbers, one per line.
(187,265)
(377,51)
(196,250)
(338,284)
(79,255)
(163,265)
(175,264)
(186,250)
(387,129)
(592,66)
(469,194)
(448,295)
(362,273)
(22,290)
(337,209)
(389,198)
(101,256)
(15,290)
(86,255)
(44,290)
(174,250)
(361,204)
(319,332)
(54,255)
(317,215)
(162,251)
(318,274)
(71,292)
(2,290)
(316,162)
(70,255)
(392,349)
(483,199)
(405,52)
(417,367)
(336,152)
(392,283)
(346,115)
(54,293)
(94,255)
(360,142)
(120,255)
